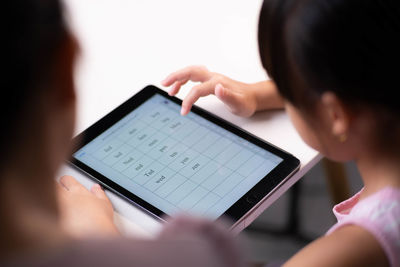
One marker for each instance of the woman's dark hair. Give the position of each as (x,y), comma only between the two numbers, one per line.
(33,32)
(349,47)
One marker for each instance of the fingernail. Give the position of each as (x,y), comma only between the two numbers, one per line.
(218,90)
(183,111)
(220,86)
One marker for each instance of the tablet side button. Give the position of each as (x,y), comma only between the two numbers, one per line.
(252,199)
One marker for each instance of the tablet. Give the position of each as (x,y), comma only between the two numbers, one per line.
(165,163)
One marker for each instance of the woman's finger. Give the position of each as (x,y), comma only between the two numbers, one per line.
(60,187)
(61,191)
(197,91)
(99,192)
(71,184)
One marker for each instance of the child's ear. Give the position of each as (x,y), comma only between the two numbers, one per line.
(337,113)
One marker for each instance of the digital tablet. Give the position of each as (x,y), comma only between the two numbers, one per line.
(165,163)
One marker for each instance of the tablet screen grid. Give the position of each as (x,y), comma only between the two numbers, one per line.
(199,141)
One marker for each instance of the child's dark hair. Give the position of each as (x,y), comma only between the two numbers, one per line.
(34,31)
(348,47)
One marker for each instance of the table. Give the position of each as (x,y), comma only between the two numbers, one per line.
(127,44)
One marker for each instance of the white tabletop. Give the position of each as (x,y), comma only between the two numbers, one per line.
(127,44)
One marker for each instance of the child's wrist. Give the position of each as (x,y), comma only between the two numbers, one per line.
(254,99)
(256,96)
(266,96)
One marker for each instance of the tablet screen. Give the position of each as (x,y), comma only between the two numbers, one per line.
(177,163)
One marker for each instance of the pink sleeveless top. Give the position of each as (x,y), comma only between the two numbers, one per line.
(379,214)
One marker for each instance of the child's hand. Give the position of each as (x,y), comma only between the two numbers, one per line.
(84,213)
(239,97)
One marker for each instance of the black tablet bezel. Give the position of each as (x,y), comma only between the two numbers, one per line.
(266,185)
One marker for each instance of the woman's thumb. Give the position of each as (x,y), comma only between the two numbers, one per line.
(99,192)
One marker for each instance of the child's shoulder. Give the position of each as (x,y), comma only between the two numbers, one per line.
(378,215)
(367,234)
(380,209)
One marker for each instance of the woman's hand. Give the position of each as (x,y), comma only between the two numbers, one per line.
(84,213)
(242,99)
(221,242)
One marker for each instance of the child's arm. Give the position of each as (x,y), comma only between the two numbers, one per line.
(241,98)
(348,246)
